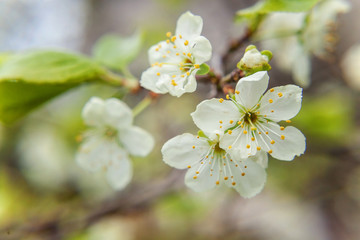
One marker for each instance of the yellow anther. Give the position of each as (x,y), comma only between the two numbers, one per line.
(224,157)
(181,69)
(217,182)
(282,128)
(227,96)
(259,132)
(282,137)
(237,92)
(173,82)
(220,122)
(230,147)
(226,178)
(221,100)
(177,54)
(229,132)
(258,148)
(182,76)
(253,128)
(280,94)
(252,139)
(180,36)
(266,132)
(247,146)
(158,74)
(168,34)
(156,49)
(184,53)
(186,42)
(168,52)
(245,132)
(193,146)
(168,41)
(188,73)
(258,105)
(233,183)
(236,165)
(265,115)
(189,54)
(271,90)
(196,66)
(197,172)
(245,166)
(239,122)
(270,151)
(173,38)
(189,166)
(164,56)
(288,121)
(220,126)
(173,76)
(174,46)
(242,126)
(195,177)
(231,121)
(243,174)
(271,101)
(272,141)
(272,111)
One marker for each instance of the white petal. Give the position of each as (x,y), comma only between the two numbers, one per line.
(215,115)
(136,141)
(302,68)
(205,179)
(150,79)
(183,82)
(261,158)
(119,173)
(285,103)
(117,114)
(239,143)
(201,50)
(93,112)
(252,182)
(93,154)
(157,52)
(286,149)
(251,88)
(189,26)
(184,150)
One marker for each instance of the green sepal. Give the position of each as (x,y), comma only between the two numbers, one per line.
(201,134)
(204,69)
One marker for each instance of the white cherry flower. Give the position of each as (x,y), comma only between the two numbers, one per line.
(249,118)
(209,165)
(174,62)
(312,34)
(107,146)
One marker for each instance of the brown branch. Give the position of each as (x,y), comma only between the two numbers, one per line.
(137,198)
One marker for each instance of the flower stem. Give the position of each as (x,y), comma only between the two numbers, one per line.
(129,83)
(141,106)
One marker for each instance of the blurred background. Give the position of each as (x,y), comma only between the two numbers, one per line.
(45,195)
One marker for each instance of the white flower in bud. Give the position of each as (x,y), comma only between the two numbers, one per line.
(113,137)
(351,66)
(249,119)
(174,62)
(209,165)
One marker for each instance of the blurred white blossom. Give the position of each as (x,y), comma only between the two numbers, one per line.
(296,36)
(174,62)
(351,66)
(113,137)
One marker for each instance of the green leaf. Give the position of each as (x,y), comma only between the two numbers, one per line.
(49,67)
(32,78)
(254,14)
(204,69)
(117,52)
